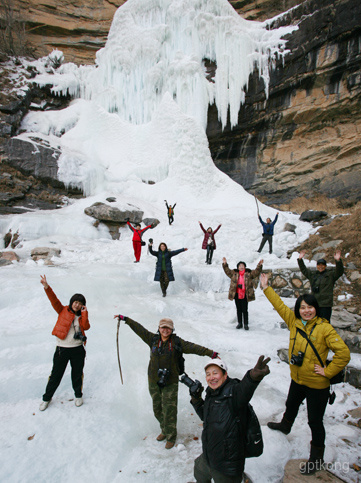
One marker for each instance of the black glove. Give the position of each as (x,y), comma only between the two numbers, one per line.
(196,390)
(260,369)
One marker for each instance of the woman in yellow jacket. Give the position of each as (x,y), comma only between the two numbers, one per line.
(309,381)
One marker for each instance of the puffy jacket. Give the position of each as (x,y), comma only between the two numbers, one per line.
(207,235)
(268,227)
(168,262)
(164,355)
(137,234)
(322,282)
(324,337)
(223,439)
(248,281)
(66,316)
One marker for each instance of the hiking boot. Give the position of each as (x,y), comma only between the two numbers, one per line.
(239,326)
(78,401)
(44,405)
(315,462)
(161,437)
(169,445)
(164,293)
(246,327)
(284,426)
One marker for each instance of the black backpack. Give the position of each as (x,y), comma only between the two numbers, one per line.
(253,440)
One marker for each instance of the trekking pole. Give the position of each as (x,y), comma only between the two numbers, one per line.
(257,205)
(120,368)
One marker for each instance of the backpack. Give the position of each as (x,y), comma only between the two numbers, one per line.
(253,440)
(177,347)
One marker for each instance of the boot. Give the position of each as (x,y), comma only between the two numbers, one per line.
(284,426)
(161,437)
(169,445)
(315,461)
(239,326)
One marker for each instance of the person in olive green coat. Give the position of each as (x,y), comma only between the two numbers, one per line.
(309,380)
(322,281)
(165,366)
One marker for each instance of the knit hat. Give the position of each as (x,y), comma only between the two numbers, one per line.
(216,362)
(321,261)
(166,322)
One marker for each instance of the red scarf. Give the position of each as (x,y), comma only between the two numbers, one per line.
(241,292)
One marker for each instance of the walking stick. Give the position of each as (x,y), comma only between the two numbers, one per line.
(257,205)
(120,368)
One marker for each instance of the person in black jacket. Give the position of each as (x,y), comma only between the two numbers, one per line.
(163,268)
(223,438)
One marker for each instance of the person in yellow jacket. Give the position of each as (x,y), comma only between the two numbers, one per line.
(309,380)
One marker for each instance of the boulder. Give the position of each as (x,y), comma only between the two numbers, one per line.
(292,474)
(110,214)
(44,253)
(279,282)
(9,255)
(296,282)
(283,355)
(151,221)
(289,227)
(312,215)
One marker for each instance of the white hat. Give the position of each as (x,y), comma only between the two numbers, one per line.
(216,362)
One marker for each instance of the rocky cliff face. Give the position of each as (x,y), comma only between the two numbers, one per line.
(304,139)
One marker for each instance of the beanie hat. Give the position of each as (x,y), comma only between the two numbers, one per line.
(321,261)
(166,322)
(216,362)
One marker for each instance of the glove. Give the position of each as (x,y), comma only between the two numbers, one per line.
(215,355)
(120,317)
(196,390)
(260,369)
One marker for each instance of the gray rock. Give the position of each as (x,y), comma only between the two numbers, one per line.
(151,221)
(4,262)
(355,276)
(331,244)
(283,355)
(106,213)
(353,376)
(44,253)
(289,227)
(111,199)
(312,215)
(286,293)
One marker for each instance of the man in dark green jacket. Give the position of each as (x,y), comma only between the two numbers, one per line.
(165,366)
(322,281)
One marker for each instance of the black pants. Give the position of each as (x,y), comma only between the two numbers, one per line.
(170,219)
(164,281)
(242,310)
(205,474)
(266,238)
(326,312)
(76,356)
(316,406)
(210,250)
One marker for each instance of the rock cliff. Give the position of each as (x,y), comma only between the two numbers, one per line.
(304,138)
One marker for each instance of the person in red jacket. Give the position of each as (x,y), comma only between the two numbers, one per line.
(137,239)
(70,333)
(209,242)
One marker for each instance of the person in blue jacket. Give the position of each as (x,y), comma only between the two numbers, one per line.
(267,235)
(163,269)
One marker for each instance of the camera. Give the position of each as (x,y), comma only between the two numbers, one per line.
(79,336)
(195,387)
(240,286)
(163,376)
(297,360)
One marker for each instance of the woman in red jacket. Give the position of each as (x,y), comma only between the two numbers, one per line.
(209,242)
(70,333)
(137,239)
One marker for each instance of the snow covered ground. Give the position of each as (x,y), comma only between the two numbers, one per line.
(112,436)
